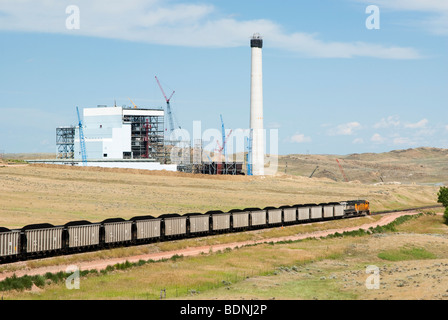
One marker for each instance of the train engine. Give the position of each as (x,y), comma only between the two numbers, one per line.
(356,207)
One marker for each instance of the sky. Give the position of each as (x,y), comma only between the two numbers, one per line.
(337,78)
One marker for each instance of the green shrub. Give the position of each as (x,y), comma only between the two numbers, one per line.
(445,215)
(442,197)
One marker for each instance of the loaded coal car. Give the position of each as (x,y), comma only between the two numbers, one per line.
(304,212)
(289,214)
(81,235)
(9,244)
(115,231)
(173,226)
(338,210)
(274,216)
(197,223)
(220,221)
(328,211)
(257,217)
(316,212)
(239,219)
(40,240)
(356,207)
(146,229)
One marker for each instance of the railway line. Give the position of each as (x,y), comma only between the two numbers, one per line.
(21,269)
(406,210)
(45,240)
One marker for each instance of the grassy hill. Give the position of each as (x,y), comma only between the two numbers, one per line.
(421,165)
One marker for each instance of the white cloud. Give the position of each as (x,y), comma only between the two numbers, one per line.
(377,138)
(300,138)
(414,5)
(421,124)
(404,141)
(358,141)
(391,121)
(188,24)
(446,127)
(345,129)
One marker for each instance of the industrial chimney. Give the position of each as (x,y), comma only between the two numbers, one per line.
(256,106)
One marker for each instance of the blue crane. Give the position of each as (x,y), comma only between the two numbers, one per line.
(82,142)
(223,139)
(223,149)
(249,154)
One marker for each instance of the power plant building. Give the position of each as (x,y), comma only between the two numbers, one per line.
(127,137)
(119,133)
(115,137)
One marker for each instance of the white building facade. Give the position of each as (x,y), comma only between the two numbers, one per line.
(117,133)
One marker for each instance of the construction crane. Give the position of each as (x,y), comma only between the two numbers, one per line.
(168,107)
(342,170)
(314,171)
(135,107)
(82,142)
(223,132)
(223,149)
(249,155)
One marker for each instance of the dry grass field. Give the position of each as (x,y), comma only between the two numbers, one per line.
(59,194)
(412,261)
(420,165)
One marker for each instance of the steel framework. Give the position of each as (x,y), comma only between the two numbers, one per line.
(147,136)
(65,142)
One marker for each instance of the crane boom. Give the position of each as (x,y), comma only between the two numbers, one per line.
(342,170)
(81,140)
(135,107)
(223,138)
(168,107)
(314,171)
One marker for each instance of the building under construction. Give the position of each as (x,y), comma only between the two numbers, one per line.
(115,133)
(129,138)
(120,137)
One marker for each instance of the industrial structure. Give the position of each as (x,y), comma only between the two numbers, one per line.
(256,107)
(134,137)
(65,142)
(121,133)
(120,137)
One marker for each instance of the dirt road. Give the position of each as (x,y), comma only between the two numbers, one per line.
(102,264)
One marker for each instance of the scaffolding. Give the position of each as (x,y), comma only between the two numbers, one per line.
(65,142)
(147,137)
(222,168)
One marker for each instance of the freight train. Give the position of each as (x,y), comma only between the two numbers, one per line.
(44,240)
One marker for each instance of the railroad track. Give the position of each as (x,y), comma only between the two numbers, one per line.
(405,210)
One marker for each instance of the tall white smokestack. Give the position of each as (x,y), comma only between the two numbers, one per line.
(256,106)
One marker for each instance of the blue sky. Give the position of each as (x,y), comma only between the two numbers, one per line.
(330,84)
